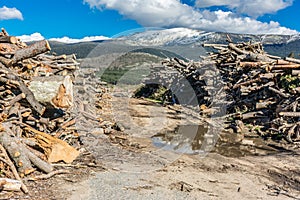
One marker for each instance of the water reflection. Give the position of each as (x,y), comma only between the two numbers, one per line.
(190,139)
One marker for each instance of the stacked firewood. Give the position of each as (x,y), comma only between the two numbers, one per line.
(36,96)
(187,83)
(263,90)
(255,91)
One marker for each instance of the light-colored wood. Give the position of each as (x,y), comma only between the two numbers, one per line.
(10,184)
(55,149)
(294,60)
(55,91)
(9,39)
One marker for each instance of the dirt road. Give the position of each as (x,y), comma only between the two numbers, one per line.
(136,169)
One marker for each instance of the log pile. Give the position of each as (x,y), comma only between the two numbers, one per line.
(263,90)
(187,83)
(255,91)
(37,125)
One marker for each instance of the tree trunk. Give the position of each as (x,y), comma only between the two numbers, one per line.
(52,91)
(9,39)
(31,51)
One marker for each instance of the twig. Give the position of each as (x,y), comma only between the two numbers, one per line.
(49,175)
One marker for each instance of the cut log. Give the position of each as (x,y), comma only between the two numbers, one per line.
(29,95)
(7,184)
(16,153)
(9,39)
(16,99)
(295,72)
(250,55)
(252,64)
(290,66)
(7,160)
(5,61)
(39,163)
(3,32)
(31,51)
(22,156)
(294,60)
(283,62)
(31,99)
(52,91)
(8,47)
(290,114)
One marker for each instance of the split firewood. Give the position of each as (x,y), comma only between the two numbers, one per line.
(55,149)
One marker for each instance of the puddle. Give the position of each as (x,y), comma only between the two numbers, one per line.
(193,139)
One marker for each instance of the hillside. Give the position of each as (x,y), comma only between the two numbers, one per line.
(179,41)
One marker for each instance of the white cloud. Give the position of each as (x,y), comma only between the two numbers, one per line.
(147,12)
(10,13)
(173,13)
(38,37)
(253,8)
(85,39)
(32,37)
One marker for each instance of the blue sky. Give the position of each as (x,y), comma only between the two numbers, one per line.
(81,18)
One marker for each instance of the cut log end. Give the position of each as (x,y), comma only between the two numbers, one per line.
(47,45)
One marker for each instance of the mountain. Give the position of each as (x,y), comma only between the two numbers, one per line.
(80,49)
(180,41)
(184,36)
(280,45)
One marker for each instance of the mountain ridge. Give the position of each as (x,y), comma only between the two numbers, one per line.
(176,38)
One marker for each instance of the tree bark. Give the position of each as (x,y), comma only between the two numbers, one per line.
(9,39)
(8,47)
(250,55)
(16,153)
(29,95)
(31,51)
(294,60)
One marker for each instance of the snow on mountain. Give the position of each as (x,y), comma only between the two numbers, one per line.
(172,37)
(185,36)
(294,38)
(179,36)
